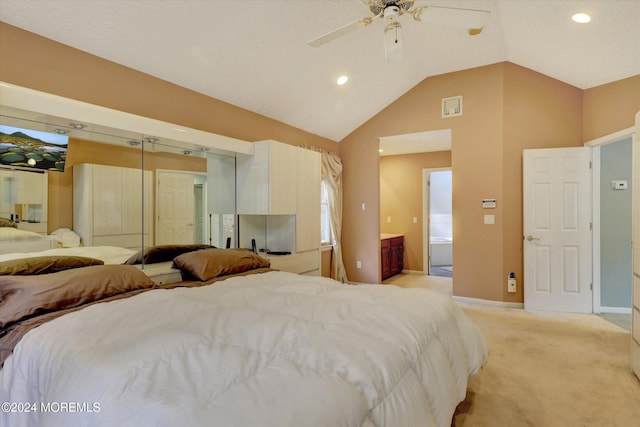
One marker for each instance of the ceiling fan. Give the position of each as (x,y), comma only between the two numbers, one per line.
(391,10)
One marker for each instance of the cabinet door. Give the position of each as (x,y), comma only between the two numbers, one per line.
(282,178)
(6,192)
(385,258)
(397,249)
(266,181)
(252,181)
(107,199)
(30,188)
(132,200)
(308,200)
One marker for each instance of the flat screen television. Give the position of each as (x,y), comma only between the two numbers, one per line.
(32,149)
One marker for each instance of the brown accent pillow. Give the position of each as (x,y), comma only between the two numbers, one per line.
(27,296)
(45,264)
(163,253)
(5,222)
(209,263)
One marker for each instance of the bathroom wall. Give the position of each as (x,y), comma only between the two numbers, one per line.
(440,212)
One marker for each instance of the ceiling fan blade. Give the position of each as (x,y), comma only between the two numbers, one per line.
(345,29)
(449,16)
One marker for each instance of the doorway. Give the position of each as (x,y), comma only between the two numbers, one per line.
(200,209)
(180,203)
(612,197)
(438,218)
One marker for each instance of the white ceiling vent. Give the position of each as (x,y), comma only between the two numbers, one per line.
(452,107)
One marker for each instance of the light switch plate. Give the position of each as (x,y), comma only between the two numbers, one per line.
(619,184)
(489,219)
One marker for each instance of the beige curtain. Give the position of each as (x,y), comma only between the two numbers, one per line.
(332,178)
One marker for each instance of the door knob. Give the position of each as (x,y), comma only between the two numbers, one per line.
(531,238)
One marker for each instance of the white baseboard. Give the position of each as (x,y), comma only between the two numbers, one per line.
(503,304)
(615,310)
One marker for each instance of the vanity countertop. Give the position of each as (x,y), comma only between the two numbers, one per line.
(385,236)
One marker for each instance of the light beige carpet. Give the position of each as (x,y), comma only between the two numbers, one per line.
(551,370)
(546,369)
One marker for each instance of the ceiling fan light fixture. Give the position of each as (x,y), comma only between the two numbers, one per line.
(393,42)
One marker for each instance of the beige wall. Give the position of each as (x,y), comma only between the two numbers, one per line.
(475,160)
(611,107)
(506,108)
(539,112)
(32,61)
(325,263)
(401,199)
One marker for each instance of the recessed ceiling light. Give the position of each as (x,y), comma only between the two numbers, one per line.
(342,80)
(77,125)
(380,150)
(581,18)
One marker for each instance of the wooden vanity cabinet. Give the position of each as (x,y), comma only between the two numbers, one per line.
(391,255)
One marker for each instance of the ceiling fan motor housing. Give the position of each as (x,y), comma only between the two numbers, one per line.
(391,13)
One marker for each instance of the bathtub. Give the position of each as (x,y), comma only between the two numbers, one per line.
(441,250)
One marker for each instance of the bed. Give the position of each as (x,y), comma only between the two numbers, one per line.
(14,240)
(108,254)
(237,344)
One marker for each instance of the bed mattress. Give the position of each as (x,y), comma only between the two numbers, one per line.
(274,349)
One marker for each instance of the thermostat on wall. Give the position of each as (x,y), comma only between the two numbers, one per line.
(488,203)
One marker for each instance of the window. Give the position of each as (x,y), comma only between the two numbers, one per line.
(325,226)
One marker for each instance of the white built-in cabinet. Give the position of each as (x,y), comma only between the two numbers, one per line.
(111,205)
(278,204)
(635,327)
(25,194)
(266,181)
(308,200)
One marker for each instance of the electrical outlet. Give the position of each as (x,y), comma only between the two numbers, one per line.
(358,264)
(511,284)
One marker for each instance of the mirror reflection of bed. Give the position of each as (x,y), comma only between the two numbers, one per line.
(101,195)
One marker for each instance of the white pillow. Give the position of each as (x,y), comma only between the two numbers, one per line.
(67,238)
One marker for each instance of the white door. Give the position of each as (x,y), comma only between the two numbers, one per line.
(175,208)
(557,229)
(635,185)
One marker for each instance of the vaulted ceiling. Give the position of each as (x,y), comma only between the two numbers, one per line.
(254,53)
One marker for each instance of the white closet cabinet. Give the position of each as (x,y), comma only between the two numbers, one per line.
(266,181)
(282,183)
(108,203)
(308,200)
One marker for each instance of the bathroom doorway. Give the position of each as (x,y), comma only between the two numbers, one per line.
(437,211)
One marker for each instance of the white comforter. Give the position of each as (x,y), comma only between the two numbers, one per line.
(274,349)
